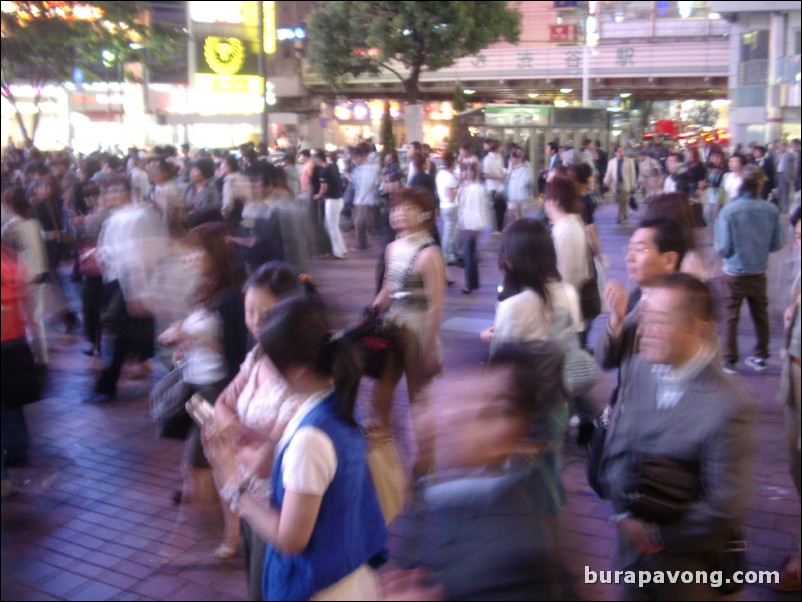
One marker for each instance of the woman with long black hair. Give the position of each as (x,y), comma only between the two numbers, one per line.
(324,529)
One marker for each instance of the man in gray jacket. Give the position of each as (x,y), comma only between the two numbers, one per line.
(678,405)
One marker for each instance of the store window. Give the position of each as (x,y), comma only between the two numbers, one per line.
(755,45)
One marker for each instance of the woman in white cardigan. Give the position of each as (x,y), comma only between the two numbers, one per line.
(570,239)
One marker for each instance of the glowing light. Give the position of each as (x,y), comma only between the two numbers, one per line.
(469,91)
(625,94)
(532,95)
(225,56)
(566,90)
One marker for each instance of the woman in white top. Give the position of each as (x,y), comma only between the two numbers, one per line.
(24,234)
(258,398)
(570,239)
(211,342)
(533,291)
(474,218)
(447,184)
(536,305)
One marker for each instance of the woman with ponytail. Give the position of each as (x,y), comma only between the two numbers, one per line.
(258,399)
(323,526)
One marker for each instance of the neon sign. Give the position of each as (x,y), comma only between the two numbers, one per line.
(224,56)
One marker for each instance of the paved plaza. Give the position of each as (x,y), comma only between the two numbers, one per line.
(93,517)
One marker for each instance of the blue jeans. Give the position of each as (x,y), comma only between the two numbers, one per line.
(449,241)
(471,265)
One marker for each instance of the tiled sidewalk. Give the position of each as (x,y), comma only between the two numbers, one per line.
(93,518)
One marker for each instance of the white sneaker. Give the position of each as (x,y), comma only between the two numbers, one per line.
(758,364)
(729,368)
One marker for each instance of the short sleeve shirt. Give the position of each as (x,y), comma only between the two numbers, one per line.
(331,175)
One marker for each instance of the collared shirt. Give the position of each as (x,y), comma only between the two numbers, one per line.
(747,230)
(672,383)
(365,180)
(519,183)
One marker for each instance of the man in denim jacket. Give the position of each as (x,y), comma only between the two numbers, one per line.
(747,230)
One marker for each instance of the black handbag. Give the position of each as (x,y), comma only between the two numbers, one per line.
(374,340)
(661,489)
(589,297)
(601,425)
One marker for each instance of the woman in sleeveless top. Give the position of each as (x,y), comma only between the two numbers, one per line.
(258,399)
(412,298)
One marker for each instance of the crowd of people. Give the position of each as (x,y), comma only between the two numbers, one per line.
(198,259)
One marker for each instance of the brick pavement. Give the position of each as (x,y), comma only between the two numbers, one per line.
(93,518)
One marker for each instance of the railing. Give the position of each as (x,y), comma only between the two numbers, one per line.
(754,73)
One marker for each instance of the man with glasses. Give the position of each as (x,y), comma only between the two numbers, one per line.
(655,249)
(678,411)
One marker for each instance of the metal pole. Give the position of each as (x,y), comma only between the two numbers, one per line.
(262,69)
(585,75)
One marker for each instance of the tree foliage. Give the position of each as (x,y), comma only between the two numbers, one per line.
(405,38)
(43,43)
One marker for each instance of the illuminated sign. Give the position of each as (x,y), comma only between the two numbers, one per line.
(363,110)
(289,33)
(227,95)
(221,55)
(217,12)
(269,41)
(224,56)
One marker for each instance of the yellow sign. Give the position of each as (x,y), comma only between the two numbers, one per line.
(269,41)
(233,84)
(225,56)
(227,94)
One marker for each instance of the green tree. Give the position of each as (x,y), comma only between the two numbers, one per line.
(387,135)
(459,103)
(405,38)
(43,42)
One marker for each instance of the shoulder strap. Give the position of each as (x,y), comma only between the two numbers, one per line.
(414,260)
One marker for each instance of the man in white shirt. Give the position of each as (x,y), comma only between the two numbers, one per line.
(785,176)
(621,180)
(493,171)
(140,183)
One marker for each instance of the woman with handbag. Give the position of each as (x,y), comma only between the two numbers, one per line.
(211,343)
(411,299)
(535,306)
(324,529)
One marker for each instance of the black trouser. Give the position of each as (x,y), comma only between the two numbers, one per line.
(500,209)
(134,336)
(92,298)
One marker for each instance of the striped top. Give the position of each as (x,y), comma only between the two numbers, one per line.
(406,285)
